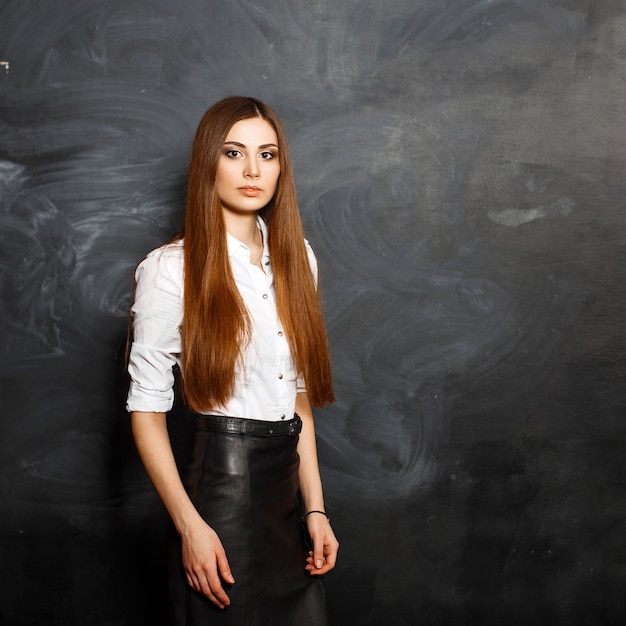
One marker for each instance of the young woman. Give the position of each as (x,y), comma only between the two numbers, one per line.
(233,302)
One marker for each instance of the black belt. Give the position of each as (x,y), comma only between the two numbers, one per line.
(241,426)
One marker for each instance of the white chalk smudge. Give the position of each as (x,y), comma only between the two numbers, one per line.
(9,172)
(5,65)
(517,217)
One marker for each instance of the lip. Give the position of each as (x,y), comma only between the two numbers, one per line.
(250,190)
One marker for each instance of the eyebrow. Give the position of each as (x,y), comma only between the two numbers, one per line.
(241,145)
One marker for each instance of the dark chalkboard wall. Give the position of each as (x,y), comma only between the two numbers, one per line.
(460,168)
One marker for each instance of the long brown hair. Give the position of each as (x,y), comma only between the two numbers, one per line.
(216,324)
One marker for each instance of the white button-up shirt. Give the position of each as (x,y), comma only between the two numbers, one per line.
(266,384)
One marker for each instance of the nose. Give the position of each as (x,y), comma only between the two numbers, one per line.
(251,169)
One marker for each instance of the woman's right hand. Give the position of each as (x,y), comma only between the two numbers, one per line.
(204,558)
(205,563)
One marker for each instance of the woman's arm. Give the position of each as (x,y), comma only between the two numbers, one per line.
(325,545)
(204,558)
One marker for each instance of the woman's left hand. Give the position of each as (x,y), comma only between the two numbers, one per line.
(325,545)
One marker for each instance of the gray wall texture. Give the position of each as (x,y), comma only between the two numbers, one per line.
(460,168)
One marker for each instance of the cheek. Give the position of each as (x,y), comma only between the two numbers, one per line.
(223,175)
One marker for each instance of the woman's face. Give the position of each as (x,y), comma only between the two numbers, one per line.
(248,166)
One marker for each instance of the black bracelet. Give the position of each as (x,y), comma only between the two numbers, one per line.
(320,512)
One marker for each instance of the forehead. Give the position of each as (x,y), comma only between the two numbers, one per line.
(254,131)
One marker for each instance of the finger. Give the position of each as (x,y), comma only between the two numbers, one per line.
(332,548)
(214,576)
(224,568)
(315,571)
(330,560)
(192,581)
(214,591)
(318,553)
(218,596)
(206,581)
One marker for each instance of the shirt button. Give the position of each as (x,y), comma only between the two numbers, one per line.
(265,296)
(280,377)
(280,333)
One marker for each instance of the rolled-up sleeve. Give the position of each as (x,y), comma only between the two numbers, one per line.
(156,317)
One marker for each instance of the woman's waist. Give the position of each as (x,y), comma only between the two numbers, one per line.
(249,426)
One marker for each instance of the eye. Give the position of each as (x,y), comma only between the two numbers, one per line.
(231,153)
(266,155)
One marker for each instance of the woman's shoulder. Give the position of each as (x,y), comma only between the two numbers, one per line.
(170,253)
(166,261)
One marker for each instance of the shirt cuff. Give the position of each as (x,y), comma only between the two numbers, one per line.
(151,380)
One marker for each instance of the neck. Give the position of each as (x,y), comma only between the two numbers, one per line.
(243,227)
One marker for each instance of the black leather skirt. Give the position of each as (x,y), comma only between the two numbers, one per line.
(243,480)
